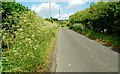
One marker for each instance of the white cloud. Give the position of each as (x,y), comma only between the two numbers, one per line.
(43,9)
(54,0)
(42,0)
(63,16)
(56,16)
(73,4)
(66,16)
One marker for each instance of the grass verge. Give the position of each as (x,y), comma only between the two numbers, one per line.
(106,40)
(45,66)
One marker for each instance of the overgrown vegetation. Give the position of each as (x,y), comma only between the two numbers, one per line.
(26,39)
(100,22)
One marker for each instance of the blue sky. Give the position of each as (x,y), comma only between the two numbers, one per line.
(67,8)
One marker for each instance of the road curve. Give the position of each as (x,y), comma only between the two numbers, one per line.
(76,53)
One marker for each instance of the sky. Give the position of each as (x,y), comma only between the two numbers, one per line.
(66,8)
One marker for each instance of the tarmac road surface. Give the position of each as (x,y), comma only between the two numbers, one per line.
(76,53)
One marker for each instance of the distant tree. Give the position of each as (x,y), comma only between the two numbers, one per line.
(55,19)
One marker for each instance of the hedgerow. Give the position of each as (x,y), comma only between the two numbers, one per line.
(26,38)
(99,22)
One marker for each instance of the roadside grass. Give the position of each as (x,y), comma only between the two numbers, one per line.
(45,66)
(29,45)
(106,40)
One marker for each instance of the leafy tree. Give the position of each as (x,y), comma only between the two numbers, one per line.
(101,17)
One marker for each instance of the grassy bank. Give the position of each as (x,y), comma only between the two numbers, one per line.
(28,45)
(105,39)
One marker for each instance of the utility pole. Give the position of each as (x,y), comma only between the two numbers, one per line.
(60,16)
(50,12)
(49,9)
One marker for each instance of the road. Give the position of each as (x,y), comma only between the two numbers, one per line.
(76,53)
